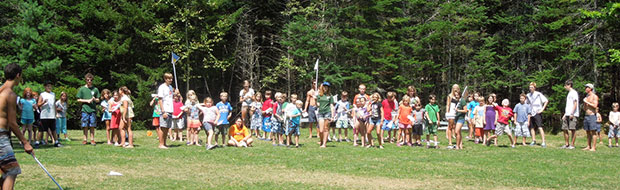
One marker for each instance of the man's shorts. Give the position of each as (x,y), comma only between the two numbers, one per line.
(312,114)
(569,124)
(522,130)
(165,123)
(386,125)
(536,122)
(47,124)
(89,119)
(417,129)
(222,129)
(342,124)
(27,121)
(431,129)
(589,123)
(293,129)
(208,126)
(8,163)
(502,128)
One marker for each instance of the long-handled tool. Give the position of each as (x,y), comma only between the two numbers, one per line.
(48,173)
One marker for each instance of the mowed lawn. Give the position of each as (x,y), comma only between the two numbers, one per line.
(340,166)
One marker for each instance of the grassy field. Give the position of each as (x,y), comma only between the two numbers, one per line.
(340,166)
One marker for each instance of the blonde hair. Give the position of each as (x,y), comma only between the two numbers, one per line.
(505,102)
(224,94)
(259,95)
(391,94)
(533,84)
(190,94)
(615,104)
(405,99)
(167,76)
(377,96)
(324,90)
(208,99)
(277,95)
(454,86)
(412,89)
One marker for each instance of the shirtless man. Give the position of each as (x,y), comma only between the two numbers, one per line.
(590,105)
(310,108)
(8,123)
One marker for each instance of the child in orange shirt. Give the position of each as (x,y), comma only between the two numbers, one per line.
(404,123)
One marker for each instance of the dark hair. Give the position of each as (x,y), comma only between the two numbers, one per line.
(48,82)
(88,76)
(568,83)
(432,96)
(11,71)
(125,90)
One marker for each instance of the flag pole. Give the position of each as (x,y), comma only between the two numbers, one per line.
(176,85)
(316,78)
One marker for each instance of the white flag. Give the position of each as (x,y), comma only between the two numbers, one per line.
(316,65)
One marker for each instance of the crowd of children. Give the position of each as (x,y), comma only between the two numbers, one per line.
(404,122)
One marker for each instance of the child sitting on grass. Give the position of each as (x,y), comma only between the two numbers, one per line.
(239,135)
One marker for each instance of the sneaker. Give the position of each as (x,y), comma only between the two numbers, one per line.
(209,147)
(543,145)
(399,144)
(533,143)
(58,145)
(380,146)
(116,144)
(348,140)
(609,146)
(512,146)
(36,145)
(126,143)
(450,147)
(571,147)
(92,142)
(564,147)
(67,139)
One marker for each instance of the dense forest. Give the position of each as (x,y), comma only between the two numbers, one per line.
(489,45)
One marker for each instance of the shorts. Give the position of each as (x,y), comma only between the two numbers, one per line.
(536,121)
(27,121)
(47,124)
(503,128)
(522,130)
(312,114)
(276,126)
(342,124)
(404,126)
(293,129)
(165,123)
(613,132)
(267,124)
(222,129)
(194,124)
(375,122)
(461,121)
(589,123)
(89,119)
(431,129)
(387,125)
(8,162)
(156,121)
(207,126)
(479,132)
(178,123)
(106,116)
(569,124)
(61,125)
(325,116)
(417,129)
(450,116)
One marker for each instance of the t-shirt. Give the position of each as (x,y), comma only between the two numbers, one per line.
(570,103)
(341,109)
(238,133)
(614,118)
(48,110)
(165,93)
(505,113)
(522,111)
(156,110)
(177,108)
(388,107)
(27,109)
(403,113)
(461,106)
(194,112)
(432,110)
(86,94)
(209,114)
(375,110)
(63,108)
(249,94)
(418,116)
(471,106)
(325,103)
(536,100)
(294,120)
(267,105)
(224,109)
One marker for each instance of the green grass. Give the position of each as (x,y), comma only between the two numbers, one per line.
(340,166)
